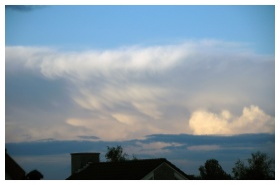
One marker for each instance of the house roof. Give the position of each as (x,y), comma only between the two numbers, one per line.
(13,169)
(126,170)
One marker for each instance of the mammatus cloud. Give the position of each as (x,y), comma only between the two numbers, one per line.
(131,92)
(252,120)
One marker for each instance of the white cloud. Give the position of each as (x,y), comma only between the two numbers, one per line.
(141,98)
(54,64)
(149,109)
(153,59)
(252,120)
(136,91)
(203,122)
(118,126)
(126,119)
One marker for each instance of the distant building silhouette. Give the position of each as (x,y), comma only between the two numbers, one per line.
(86,166)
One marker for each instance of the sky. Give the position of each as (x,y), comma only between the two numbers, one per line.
(187,83)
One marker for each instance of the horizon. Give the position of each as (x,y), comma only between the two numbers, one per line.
(53,157)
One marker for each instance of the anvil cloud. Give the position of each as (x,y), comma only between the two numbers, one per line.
(194,87)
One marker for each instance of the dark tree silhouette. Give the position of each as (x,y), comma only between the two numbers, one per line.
(34,175)
(134,158)
(213,171)
(259,168)
(116,154)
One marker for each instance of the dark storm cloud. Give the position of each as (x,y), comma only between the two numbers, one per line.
(188,139)
(89,137)
(224,147)
(23,8)
(51,146)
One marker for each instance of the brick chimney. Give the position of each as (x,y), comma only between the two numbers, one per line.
(80,160)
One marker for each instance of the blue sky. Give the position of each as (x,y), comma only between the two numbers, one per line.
(117,26)
(155,79)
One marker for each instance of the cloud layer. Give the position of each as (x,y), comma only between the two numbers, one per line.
(198,87)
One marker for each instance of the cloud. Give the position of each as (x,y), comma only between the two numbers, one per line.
(89,137)
(149,109)
(23,8)
(151,148)
(133,60)
(252,120)
(139,97)
(221,140)
(130,92)
(204,147)
(167,142)
(115,127)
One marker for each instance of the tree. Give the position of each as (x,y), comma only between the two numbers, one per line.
(134,158)
(213,171)
(34,175)
(259,168)
(240,170)
(116,154)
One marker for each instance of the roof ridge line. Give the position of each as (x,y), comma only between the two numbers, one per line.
(132,160)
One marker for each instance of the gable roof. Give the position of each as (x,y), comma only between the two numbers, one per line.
(126,170)
(13,169)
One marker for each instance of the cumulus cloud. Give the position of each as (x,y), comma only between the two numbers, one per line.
(252,120)
(133,91)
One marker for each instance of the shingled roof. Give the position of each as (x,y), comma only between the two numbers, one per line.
(126,170)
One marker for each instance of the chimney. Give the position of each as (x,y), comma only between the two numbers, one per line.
(79,160)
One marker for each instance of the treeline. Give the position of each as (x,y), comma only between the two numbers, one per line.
(258,167)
